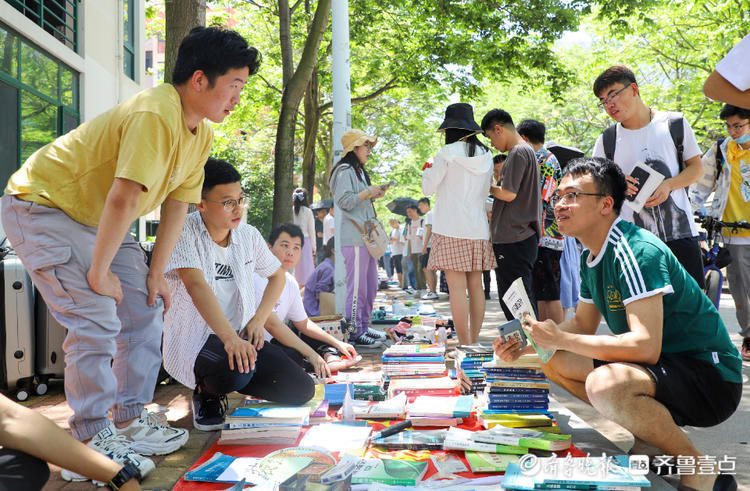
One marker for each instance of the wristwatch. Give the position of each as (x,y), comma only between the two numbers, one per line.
(128,472)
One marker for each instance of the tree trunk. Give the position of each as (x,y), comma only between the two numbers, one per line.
(312,116)
(291,97)
(180,16)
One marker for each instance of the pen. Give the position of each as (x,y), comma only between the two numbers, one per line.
(391,430)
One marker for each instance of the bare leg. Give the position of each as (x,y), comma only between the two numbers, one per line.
(459,306)
(550,309)
(431,277)
(476,304)
(570,370)
(624,393)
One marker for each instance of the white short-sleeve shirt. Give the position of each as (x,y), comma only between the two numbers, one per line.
(734,66)
(289,307)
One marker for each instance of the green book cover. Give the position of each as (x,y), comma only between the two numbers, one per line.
(489,462)
(523,438)
(389,471)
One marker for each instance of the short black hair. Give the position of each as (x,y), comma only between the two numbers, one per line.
(290,228)
(496,116)
(425,200)
(499,158)
(614,75)
(214,51)
(328,248)
(532,129)
(728,111)
(218,172)
(607,175)
(412,206)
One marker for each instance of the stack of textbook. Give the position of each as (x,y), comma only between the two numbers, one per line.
(264,424)
(469,361)
(518,386)
(414,360)
(405,360)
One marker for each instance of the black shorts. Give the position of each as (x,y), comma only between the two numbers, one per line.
(545,278)
(691,389)
(396,263)
(425,257)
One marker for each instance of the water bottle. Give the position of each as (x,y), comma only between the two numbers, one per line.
(395,306)
(347,409)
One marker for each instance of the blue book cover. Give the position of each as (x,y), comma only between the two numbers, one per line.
(335,393)
(517,390)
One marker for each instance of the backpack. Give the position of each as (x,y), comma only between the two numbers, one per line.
(676,130)
(719,158)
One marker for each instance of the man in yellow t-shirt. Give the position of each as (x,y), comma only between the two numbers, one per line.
(731,203)
(67,211)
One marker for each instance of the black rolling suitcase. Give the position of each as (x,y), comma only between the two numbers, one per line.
(16,328)
(50,334)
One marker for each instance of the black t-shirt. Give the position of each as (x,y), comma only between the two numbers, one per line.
(318,235)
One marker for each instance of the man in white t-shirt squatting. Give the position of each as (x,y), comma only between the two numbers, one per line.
(285,242)
(642,135)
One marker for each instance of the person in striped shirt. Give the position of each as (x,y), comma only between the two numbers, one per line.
(669,361)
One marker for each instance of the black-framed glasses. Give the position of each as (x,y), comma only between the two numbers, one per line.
(736,126)
(230,204)
(611,98)
(570,197)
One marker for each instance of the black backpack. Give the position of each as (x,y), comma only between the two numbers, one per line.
(676,129)
(719,158)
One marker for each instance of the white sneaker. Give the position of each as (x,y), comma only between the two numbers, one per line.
(150,434)
(117,448)
(430,296)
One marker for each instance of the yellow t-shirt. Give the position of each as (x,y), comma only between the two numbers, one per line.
(144,139)
(738,199)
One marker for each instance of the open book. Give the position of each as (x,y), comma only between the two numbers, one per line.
(518,303)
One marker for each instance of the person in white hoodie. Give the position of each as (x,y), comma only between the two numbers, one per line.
(460,176)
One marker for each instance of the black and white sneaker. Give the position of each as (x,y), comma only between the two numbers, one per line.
(209,411)
(376,334)
(365,341)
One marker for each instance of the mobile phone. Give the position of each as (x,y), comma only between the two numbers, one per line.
(641,176)
(512,331)
(387,185)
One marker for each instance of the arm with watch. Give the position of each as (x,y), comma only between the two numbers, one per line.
(25,430)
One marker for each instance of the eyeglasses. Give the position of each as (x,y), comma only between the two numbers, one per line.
(230,204)
(736,126)
(570,197)
(611,98)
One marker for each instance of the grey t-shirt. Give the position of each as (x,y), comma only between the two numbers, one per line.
(517,220)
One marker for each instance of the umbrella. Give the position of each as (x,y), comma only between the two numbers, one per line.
(398,205)
(322,204)
(564,154)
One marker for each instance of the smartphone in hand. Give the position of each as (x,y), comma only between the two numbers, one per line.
(385,187)
(512,331)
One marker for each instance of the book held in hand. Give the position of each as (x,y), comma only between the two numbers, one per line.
(518,303)
(647,180)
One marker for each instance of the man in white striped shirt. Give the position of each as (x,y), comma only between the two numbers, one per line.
(214,334)
(670,361)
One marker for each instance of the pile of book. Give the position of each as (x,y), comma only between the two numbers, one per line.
(429,386)
(518,386)
(535,421)
(469,361)
(440,411)
(264,424)
(409,360)
(421,360)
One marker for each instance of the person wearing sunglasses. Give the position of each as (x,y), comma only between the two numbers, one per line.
(668,362)
(642,134)
(727,175)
